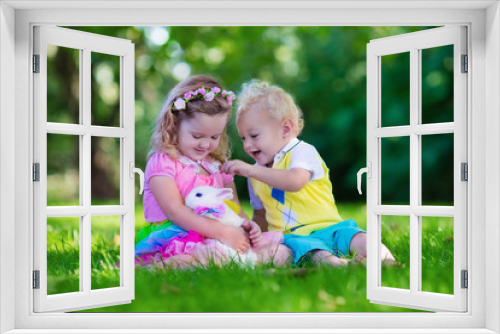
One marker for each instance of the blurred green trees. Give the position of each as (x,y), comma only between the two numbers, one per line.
(324,68)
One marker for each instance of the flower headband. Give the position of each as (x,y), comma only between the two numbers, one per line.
(207,94)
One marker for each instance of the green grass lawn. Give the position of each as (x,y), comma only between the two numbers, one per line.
(262,289)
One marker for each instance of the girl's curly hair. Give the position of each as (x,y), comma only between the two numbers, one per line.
(165,135)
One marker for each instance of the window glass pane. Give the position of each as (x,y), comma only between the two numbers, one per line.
(395,170)
(437,254)
(105,252)
(105,89)
(437,84)
(105,171)
(437,169)
(63,255)
(63,85)
(396,237)
(395,84)
(63,170)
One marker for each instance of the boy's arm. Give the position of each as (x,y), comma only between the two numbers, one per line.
(290,180)
(259,216)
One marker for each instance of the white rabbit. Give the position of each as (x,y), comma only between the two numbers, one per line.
(209,202)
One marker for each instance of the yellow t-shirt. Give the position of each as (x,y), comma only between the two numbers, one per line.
(310,209)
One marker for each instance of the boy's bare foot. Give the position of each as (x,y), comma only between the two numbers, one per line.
(390,263)
(282,255)
(359,260)
(386,256)
(278,254)
(321,257)
(388,260)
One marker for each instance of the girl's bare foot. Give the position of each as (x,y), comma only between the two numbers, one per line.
(181,261)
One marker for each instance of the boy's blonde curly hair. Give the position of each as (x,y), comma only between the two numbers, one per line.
(271,98)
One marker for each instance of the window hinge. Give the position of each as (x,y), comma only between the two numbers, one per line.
(36,63)
(36,172)
(465,64)
(36,279)
(464,172)
(465,279)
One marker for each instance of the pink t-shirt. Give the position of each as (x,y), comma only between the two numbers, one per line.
(184,172)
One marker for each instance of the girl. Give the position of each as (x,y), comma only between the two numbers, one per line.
(290,188)
(189,144)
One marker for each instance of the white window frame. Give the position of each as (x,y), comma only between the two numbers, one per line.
(483,20)
(123,51)
(414,44)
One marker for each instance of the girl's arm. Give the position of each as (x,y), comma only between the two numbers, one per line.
(290,180)
(170,201)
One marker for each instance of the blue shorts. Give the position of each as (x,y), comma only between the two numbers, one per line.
(335,239)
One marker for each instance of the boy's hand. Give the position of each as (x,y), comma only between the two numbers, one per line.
(237,167)
(235,238)
(254,232)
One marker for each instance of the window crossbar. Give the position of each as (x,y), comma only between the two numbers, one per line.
(418,210)
(79,211)
(421,129)
(93,130)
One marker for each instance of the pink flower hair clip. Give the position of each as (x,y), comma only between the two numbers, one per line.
(207,94)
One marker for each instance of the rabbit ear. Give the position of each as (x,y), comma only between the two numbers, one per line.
(225,194)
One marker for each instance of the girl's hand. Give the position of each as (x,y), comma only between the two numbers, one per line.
(254,232)
(237,167)
(235,238)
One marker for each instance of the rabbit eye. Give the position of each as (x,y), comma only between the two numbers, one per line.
(198,195)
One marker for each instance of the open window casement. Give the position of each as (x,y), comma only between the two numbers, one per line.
(83,213)
(416,132)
